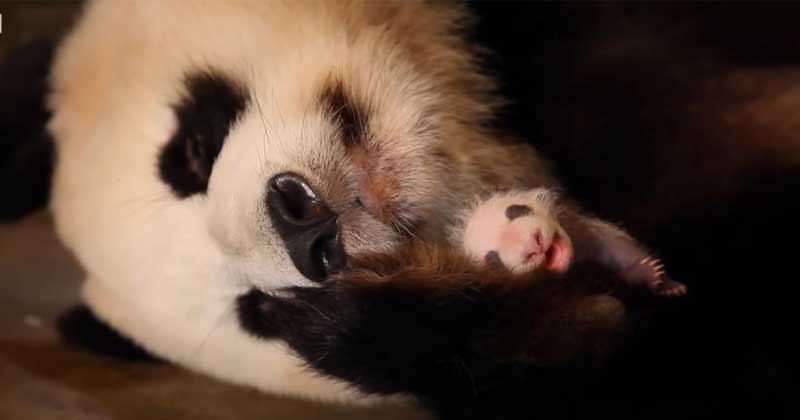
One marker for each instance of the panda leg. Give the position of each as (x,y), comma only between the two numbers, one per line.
(595,239)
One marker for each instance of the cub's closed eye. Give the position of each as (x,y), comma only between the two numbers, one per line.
(357,203)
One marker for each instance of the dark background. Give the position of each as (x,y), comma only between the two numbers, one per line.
(682,122)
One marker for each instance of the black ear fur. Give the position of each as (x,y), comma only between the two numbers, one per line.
(26,148)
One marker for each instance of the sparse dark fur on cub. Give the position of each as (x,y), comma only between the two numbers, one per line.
(435,324)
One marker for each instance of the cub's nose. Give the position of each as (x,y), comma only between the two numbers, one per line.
(309,229)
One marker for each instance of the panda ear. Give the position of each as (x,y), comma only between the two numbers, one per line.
(205,114)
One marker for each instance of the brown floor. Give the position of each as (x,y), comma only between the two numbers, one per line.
(42,379)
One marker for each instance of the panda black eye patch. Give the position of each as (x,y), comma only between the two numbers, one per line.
(517,210)
(350,117)
(205,114)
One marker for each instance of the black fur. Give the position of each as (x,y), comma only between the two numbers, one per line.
(80,328)
(448,350)
(452,348)
(212,104)
(26,148)
(348,115)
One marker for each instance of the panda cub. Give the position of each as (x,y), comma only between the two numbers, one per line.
(525,230)
(515,230)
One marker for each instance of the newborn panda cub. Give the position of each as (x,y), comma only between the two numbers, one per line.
(518,232)
(524,230)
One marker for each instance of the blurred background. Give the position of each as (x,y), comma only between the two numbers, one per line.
(25,21)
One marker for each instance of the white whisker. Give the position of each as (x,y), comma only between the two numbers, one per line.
(229,310)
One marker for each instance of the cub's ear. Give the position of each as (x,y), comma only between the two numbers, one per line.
(26,148)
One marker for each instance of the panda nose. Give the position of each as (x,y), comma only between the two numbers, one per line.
(309,229)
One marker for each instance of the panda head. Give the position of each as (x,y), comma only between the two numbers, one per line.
(336,141)
(516,230)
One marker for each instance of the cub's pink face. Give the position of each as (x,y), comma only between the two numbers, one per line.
(518,231)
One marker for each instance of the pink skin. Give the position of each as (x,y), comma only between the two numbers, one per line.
(523,243)
(525,246)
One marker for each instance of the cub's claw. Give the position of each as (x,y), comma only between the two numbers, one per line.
(670,288)
(649,272)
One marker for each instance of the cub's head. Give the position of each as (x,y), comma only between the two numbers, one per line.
(516,230)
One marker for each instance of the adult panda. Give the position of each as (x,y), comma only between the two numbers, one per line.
(162,113)
(207,149)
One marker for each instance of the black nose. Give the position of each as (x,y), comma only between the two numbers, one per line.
(309,229)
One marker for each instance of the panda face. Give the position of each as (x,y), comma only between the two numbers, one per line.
(366,154)
(518,231)
(348,111)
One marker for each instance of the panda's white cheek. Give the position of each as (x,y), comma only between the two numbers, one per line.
(511,242)
(483,231)
(237,216)
(233,211)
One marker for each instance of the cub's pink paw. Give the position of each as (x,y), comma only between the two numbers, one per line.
(649,272)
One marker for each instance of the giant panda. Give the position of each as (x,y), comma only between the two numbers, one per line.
(173,124)
(177,137)
(173,134)
(210,149)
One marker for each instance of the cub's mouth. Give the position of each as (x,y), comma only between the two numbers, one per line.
(549,254)
(558,256)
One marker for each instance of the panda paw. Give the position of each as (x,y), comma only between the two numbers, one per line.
(649,272)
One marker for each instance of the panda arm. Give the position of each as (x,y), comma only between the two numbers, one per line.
(454,343)
(598,240)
